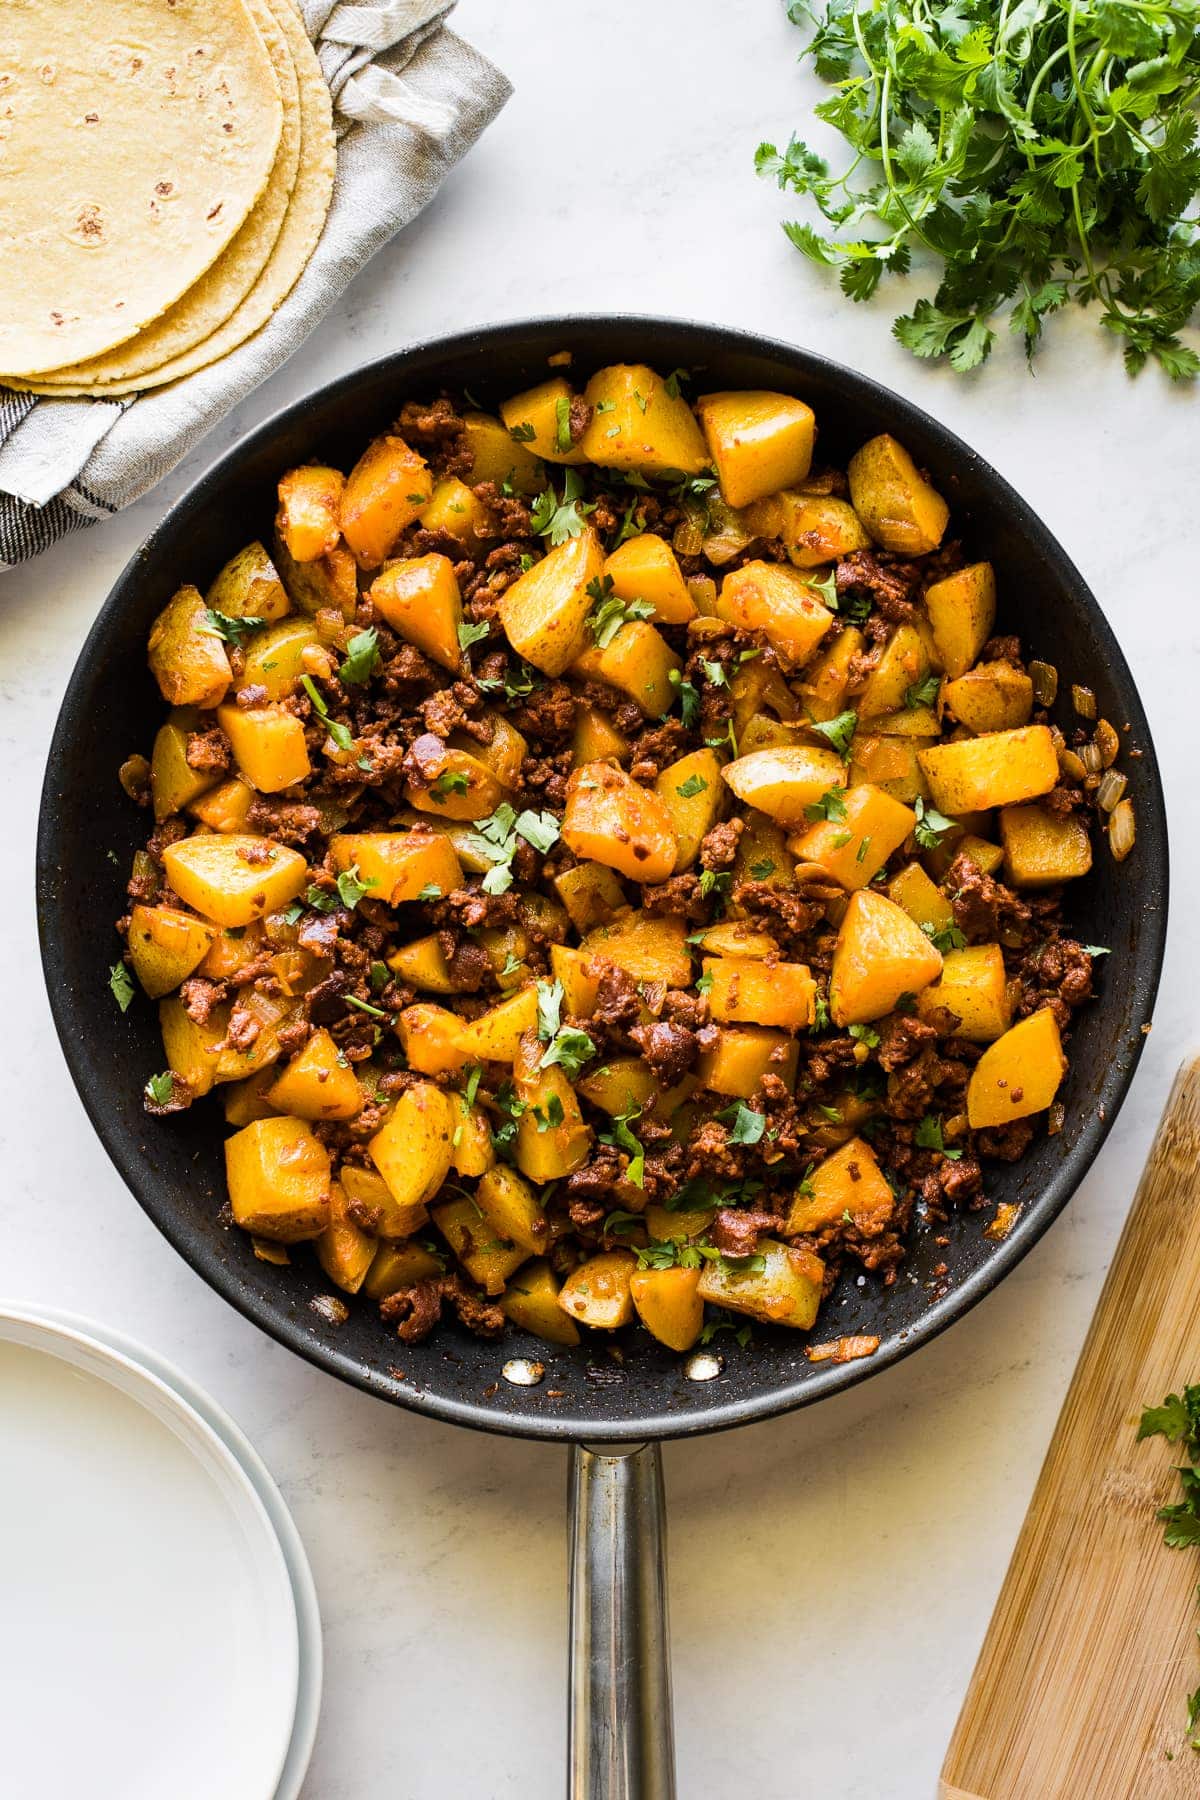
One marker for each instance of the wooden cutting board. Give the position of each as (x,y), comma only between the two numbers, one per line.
(1081,1687)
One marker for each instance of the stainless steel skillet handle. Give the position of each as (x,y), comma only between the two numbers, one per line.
(621,1739)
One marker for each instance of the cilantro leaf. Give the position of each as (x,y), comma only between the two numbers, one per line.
(622,1138)
(341,735)
(922,693)
(570,1048)
(928,1136)
(471,634)
(610,612)
(831,805)
(689,699)
(746,1125)
(837,732)
(931,826)
(549,1008)
(235,628)
(362,658)
(352,888)
(161,1088)
(558,519)
(695,784)
(121,985)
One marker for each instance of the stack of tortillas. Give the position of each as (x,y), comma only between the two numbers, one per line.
(165,171)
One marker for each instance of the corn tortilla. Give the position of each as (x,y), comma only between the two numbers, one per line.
(133,145)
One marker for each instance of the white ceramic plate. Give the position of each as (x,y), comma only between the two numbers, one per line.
(150,1643)
(308,1614)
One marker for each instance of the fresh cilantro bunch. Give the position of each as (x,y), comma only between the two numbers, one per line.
(1043,152)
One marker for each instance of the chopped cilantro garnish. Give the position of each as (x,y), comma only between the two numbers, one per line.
(558,519)
(234,628)
(922,693)
(471,634)
(610,612)
(121,985)
(161,1088)
(931,826)
(928,1136)
(362,658)
(351,887)
(831,805)
(746,1125)
(838,732)
(695,784)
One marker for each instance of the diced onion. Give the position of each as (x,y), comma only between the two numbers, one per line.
(1089,756)
(1071,765)
(1122,829)
(1108,743)
(688,539)
(1083,700)
(1111,790)
(1044,676)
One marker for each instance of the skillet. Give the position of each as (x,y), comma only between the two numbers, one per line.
(634,1392)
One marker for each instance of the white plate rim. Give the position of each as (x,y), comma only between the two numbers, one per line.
(22,1325)
(308,1609)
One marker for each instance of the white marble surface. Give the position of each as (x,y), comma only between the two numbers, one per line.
(831,1574)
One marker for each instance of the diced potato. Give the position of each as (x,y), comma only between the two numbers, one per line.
(397,1266)
(598,1292)
(889,763)
(375,1208)
(174,784)
(400,865)
(646,947)
(1042,848)
(881,955)
(235,878)
(538,422)
(503,754)
(454,509)
(596,738)
(668,1303)
(993,696)
(318,1083)
(231,951)
(418,597)
(610,818)
(778,601)
(742,1055)
(544,612)
(762,853)
(962,611)
(507,948)
(423,965)
(459,785)
(412,1149)
(921,899)
(826,679)
(496,456)
(759,442)
(747,991)
(192,1051)
(899,508)
(579,976)
(428,1035)
(735,938)
(344,1251)
(903,664)
(1017,1075)
(248,587)
(782,783)
(531,1303)
(646,568)
(814,528)
(974,989)
(245,1101)
(909,722)
(623,1084)
(268,745)
(667,1225)
(310,508)
(637,423)
(269,1013)
(591,893)
(279,1180)
(690,789)
(488,1259)
(855,847)
(384,493)
(984,855)
(165,945)
(638,662)
(786,1291)
(996,770)
(511,1208)
(756,687)
(495,1036)
(552,1139)
(328,583)
(849,1184)
(275,658)
(472,1149)
(187,656)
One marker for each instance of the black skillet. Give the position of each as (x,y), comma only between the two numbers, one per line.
(632,1392)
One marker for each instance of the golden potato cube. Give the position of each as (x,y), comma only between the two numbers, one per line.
(375,1208)
(1017,1075)
(637,423)
(667,1225)
(733,937)
(309,519)
(248,587)
(511,1208)
(646,568)
(344,1251)
(192,1051)
(598,1292)
(904,664)
(779,602)
(552,1138)
(454,509)
(691,791)
(275,658)
(423,965)
(638,661)
(890,764)
(610,818)
(165,945)
(495,1036)
(899,508)
(579,977)
(245,1101)
(412,1149)
(428,1034)
(472,1149)
(544,612)
(531,1303)
(623,1084)
(881,954)
(539,423)
(397,1266)
(920,897)
(596,738)
(398,865)
(174,784)
(459,785)
(849,1186)
(418,597)
(814,528)
(826,680)
(762,853)
(497,457)
(279,1180)
(783,783)
(743,990)
(668,1303)
(742,1055)
(488,1259)
(268,1012)
(854,847)
(327,584)
(756,687)
(591,893)
(646,947)
(996,770)
(186,654)
(268,745)
(759,442)
(318,1083)
(993,696)
(1042,848)
(785,1291)
(974,988)
(909,722)
(384,494)
(234,878)
(962,611)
